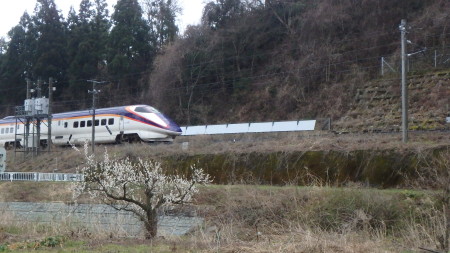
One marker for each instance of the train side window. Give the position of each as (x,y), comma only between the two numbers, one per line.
(89,123)
(59,122)
(3,130)
(103,122)
(7,131)
(75,124)
(11,129)
(111,121)
(82,123)
(97,122)
(65,124)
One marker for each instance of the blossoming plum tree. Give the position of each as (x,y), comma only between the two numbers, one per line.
(140,187)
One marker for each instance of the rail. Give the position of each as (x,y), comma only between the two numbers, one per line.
(40,177)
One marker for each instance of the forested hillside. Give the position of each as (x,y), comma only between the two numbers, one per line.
(248,60)
(287,60)
(89,44)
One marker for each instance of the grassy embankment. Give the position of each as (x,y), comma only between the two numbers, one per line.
(257,219)
(254,218)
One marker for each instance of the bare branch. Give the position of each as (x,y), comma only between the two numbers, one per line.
(138,187)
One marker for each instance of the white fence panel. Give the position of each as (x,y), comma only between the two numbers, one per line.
(236,128)
(260,127)
(194,130)
(183,130)
(215,129)
(40,177)
(306,125)
(287,126)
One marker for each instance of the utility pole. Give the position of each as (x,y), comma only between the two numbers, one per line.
(402,28)
(50,97)
(37,137)
(38,88)
(28,88)
(27,120)
(94,92)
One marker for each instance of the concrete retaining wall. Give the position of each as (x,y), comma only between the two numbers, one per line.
(95,218)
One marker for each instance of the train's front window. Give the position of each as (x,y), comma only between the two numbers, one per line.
(146,109)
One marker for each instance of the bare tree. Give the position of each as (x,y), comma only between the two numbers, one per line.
(140,187)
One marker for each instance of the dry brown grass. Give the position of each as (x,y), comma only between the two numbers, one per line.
(66,160)
(296,240)
(315,219)
(253,219)
(33,192)
(279,219)
(260,218)
(13,229)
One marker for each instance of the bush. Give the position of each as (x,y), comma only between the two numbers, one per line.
(53,241)
(355,210)
(3,247)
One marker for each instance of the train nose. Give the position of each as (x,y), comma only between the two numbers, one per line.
(171,125)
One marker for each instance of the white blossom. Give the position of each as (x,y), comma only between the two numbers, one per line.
(140,186)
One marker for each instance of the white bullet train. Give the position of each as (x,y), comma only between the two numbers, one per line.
(112,125)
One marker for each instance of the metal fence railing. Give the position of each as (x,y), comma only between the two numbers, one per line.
(40,177)
(417,61)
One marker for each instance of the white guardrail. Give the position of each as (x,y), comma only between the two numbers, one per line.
(40,177)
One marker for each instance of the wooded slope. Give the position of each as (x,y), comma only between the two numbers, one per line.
(290,60)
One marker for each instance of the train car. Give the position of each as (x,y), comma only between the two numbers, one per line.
(131,123)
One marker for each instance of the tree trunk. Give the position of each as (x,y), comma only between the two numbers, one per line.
(151,224)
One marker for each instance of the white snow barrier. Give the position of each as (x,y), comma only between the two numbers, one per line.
(260,127)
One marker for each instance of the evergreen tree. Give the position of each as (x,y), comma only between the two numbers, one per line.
(100,32)
(218,13)
(82,60)
(86,12)
(130,48)
(88,33)
(3,50)
(79,50)
(73,38)
(51,55)
(3,46)
(161,15)
(17,61)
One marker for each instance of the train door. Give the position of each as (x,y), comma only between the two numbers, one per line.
(121,125)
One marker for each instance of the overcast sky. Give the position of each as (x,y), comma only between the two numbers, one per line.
(11,12)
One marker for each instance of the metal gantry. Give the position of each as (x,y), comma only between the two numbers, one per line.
(31,115)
